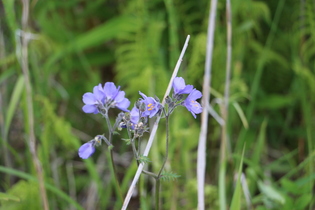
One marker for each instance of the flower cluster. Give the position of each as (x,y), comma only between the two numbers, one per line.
(136,120)
(190,102)
(104,98)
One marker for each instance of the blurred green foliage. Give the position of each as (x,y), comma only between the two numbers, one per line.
(78,44)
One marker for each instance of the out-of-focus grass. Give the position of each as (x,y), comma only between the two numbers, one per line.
(79,44)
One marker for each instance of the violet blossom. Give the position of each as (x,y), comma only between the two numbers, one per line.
(93,100)
(152,107)
(180,87)
(105,98)
(191,104)
(86,150)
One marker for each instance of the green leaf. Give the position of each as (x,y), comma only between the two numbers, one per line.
(236,200)
(103,33)
(259,147)
(16,95)
(49,187)
(128,141)
(241,114)
(6,197)
(290,186)
(303,201)
(168,176)
(144,159)
(271,192)
(275,101)
(9,11)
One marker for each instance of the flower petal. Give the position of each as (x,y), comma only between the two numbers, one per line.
(123,105)
(191,104)
(89,98)
(90,109)
(143,95)
(195,94)
(86,150)
(187,89)
(120,96)
(134,115)
(178,84)
(110,90)
(98,92)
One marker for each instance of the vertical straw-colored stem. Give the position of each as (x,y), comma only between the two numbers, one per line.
(225,110)
(154,129)
(28,88)
(201,158)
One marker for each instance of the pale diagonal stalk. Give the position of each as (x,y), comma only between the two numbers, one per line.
(137,152)
(28,88)
(201,157)
(112,167)
(225,111)
(137,157)
(154,129)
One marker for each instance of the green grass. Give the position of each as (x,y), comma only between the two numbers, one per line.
(135,43)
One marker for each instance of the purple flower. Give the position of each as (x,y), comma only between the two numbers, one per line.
(180,87)
(151,105)
(93,100)
(86,150)
(114,97)
(191,104)
(134,116)
(105,98)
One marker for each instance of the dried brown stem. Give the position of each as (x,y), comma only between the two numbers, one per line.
(28,88)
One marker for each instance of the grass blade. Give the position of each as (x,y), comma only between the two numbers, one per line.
(236,200)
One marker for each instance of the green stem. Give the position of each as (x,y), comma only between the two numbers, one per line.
(166,149)
(109,126)
(113,172)
(136,155)
(157,180)
(134,150)
(112,165)
(157,194)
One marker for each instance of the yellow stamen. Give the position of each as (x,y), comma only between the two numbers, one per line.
(150,107)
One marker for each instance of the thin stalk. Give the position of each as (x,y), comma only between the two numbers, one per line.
(109,126)
(112,164)
(225,111)
(134,150)
(113,172)
(166,147)
(201,158)
(154,128)
(28,88)
(136,155)
(157,193)
(157,180)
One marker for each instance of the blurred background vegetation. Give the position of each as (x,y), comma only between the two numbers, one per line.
(78,44)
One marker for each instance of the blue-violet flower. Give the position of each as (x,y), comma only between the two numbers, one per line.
(180,87)
(86,150)
(93,100)
(134,115)
(191,104)
(105,98)
(152,106)
(114,97)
